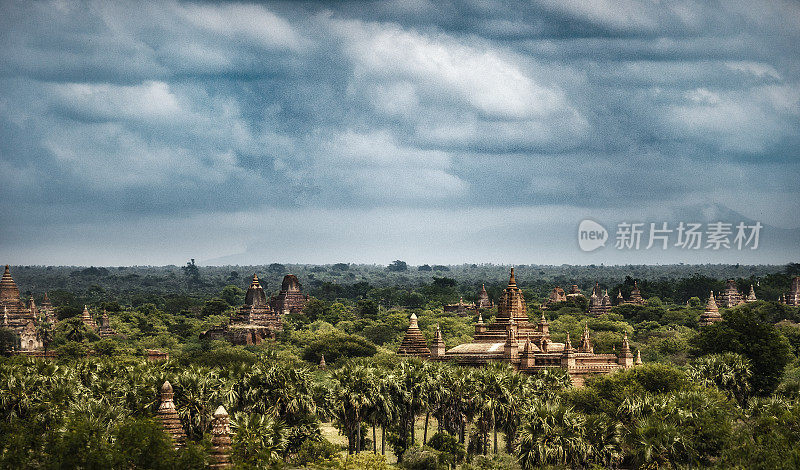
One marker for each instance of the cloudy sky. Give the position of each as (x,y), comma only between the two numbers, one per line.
(434,132)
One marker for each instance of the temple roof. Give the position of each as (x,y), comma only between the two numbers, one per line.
(8,288)
(255,294)
(512,302)
(290,283)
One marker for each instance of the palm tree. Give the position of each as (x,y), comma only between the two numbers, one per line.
(351,400)
(257,438)
(552,434)
(729,372)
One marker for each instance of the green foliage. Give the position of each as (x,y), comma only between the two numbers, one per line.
(607,392)
(231,294)
(745,331)
(335,344)
(768,437)
(421,458)
(398,266)
(729,372)
(451,452)
(258,439)
(314,452)
(8,340)
(214,306)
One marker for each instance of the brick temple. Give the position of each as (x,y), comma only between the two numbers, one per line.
(260,319)
(23,318)
(512,338)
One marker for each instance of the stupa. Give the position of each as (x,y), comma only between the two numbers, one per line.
(711,314)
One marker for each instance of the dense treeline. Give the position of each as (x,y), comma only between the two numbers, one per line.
(189,286)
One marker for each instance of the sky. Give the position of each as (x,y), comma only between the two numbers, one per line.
(148,133)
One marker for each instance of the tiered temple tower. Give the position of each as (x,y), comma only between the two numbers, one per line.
(751,297)
(255,321)
(414,343)
(731,296)
(290,299)
(168,416)
(220,439)
(483,298)
(636,295)
(437,348)
(711,314)
(105,329)
(793,298)
(87,319)
(21,317)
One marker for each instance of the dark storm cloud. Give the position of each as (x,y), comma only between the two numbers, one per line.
(167,113)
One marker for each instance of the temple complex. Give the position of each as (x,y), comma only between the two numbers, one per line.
(461,308)
(557,295)
(514,339)
(87,319)
(599,305)
(751,297)
(793,298)
(22,317)
(289,299)
(730,297)
(468,309)
(711,314)
(105,330)
(257,320)
(168,416)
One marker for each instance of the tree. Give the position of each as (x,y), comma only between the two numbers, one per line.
(335,344)
(232,294)
(276,268)
(552,434)
(745,332)
(398,266)
(192,273)
(729,372)
(9,341)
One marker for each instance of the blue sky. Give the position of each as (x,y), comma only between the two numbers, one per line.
(434,132)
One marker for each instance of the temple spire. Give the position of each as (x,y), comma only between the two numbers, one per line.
(512,281)
(168,416)
(220,439)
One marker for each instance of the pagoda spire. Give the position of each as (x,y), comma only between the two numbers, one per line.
(414,343)
(168,416)
(220,439)
(512,281)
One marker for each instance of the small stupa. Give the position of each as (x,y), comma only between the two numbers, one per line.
(414,343)
(168,416)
